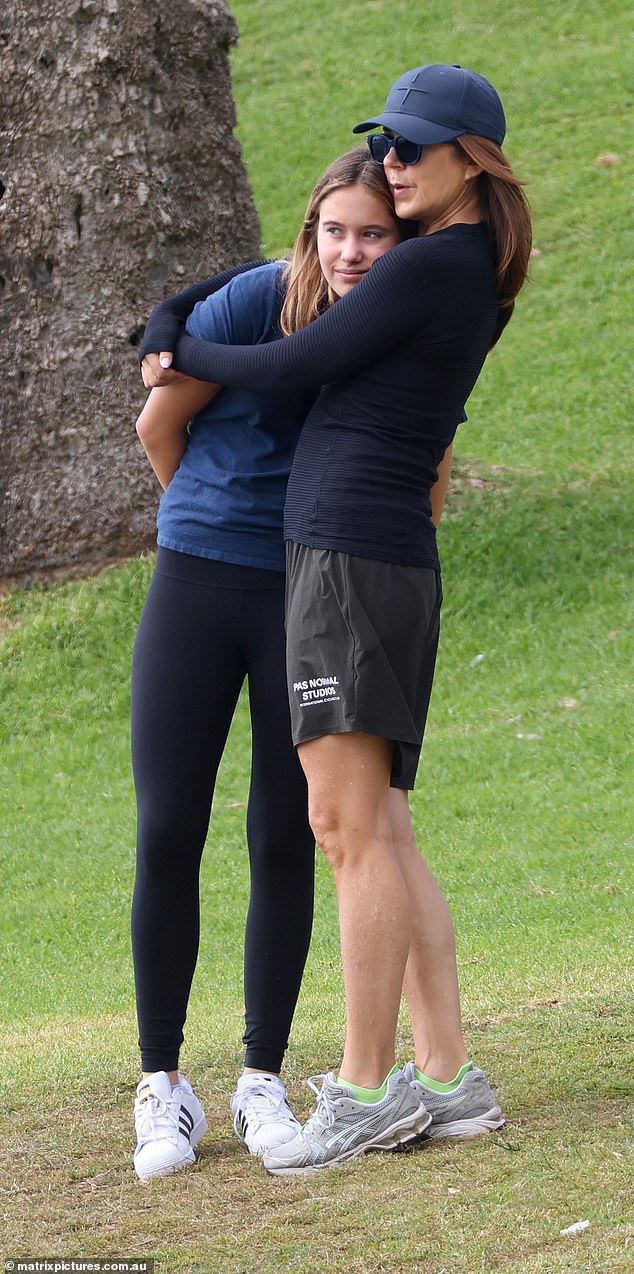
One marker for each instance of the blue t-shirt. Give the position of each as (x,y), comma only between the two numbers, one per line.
(226,500)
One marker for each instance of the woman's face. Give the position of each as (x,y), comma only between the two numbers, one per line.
(439,190)
(355,228)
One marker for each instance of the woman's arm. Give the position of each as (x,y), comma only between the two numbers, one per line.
(167,320)
(162,425)
(396,298)
(438,493)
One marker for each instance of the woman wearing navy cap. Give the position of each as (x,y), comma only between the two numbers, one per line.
(399,357)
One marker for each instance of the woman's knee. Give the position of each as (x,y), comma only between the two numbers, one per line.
(348,834)
(327,827)
(348,787)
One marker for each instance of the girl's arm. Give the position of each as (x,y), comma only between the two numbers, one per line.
(162,425)
(438,493)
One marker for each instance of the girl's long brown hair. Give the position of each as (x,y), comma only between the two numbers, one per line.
(508,214)
(307,292)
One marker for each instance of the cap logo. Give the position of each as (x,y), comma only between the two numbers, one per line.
(412,89)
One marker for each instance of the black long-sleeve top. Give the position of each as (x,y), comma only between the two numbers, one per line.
(398,357)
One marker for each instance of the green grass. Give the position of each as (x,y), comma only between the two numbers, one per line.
(523,805)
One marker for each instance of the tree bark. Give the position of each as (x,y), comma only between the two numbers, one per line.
(120,181)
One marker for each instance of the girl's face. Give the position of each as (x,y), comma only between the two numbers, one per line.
(439,190)
(355,228)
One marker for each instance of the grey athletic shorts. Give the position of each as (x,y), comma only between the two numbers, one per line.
(361,639)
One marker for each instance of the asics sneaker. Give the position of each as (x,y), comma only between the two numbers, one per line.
(169,1122)
(342,1127)
(467,1111)
(262,1117)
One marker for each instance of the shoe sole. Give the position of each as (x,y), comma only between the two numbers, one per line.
(489,1122)
(168,1170)
(397,1135)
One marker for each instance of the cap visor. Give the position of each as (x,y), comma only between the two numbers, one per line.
(423,131)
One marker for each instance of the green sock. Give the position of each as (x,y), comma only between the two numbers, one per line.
(368,1095)
(437,1086)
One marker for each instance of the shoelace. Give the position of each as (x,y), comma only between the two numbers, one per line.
(275,1097)
(324,1113)
(150,1111)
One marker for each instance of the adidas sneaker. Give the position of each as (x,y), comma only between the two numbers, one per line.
(262,1117)
(169,1122)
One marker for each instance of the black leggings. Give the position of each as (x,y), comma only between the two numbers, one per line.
(205,627)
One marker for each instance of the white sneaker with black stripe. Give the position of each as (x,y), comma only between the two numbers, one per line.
(169,1122)
(262,1117)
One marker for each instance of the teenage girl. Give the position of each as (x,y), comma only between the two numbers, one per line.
(214,616)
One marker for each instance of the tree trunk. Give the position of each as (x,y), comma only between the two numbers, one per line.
(120,181)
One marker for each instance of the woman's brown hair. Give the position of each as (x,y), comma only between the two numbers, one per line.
(508,214)
(307,292)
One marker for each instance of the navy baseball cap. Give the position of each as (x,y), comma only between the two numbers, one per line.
(437,103)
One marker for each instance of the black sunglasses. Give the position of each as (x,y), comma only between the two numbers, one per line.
(406,152)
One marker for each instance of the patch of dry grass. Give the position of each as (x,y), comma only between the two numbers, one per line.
(67,1186)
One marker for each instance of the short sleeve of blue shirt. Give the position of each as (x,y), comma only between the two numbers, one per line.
(226,500)
(245,312)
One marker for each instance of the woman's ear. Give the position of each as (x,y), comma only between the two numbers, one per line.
(472,170)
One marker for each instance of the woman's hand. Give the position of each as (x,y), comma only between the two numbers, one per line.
(156,371)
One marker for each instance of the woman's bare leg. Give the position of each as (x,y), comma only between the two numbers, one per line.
(431,976)
(349,809)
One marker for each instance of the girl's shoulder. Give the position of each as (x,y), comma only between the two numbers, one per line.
(260,281)
(245,310)
(254,302)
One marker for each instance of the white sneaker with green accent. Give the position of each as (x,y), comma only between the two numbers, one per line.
(169,1123)
(466,1111)
(343,1127)
(262,1117)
